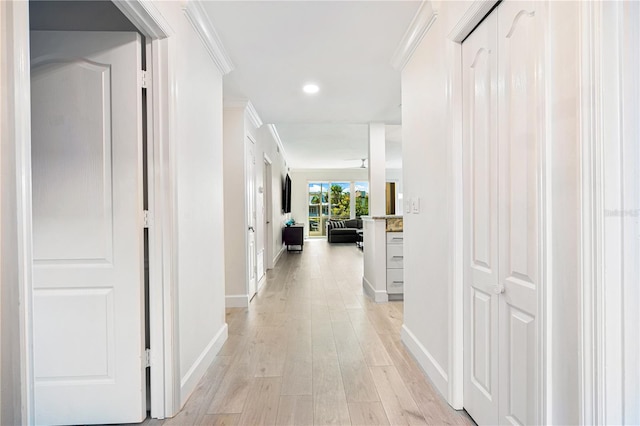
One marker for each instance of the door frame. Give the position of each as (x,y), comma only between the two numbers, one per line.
(268,210)
(605,257)
(473,15)
(165,388)
(249,139)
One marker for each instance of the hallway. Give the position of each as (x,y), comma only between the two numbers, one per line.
(312,349)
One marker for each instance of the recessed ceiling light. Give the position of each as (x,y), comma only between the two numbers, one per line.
(310,88)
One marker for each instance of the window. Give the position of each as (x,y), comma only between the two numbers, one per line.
(362,198)
(333,200)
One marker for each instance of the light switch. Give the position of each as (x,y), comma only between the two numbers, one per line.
(415,204)
(407,205)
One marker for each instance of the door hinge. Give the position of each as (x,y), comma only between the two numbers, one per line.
(144,77)
(145,218)
(147,358)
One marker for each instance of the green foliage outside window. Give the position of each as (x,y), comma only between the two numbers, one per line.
(340,202)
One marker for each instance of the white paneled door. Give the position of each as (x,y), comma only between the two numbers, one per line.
(480,65)
(503,101)
(87,228)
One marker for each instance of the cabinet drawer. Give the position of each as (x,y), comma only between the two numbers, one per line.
(395,237)
(395,281)
(395,258)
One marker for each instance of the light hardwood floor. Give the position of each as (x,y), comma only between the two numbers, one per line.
(312,349)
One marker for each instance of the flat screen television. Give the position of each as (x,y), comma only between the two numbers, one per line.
(286,195)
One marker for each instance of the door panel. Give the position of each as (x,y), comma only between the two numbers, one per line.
(74,206)
(520,373)
(88,246)
(519,35)
(481,222)
(481,369)
(251,219)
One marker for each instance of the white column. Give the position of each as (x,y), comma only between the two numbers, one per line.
(377,166)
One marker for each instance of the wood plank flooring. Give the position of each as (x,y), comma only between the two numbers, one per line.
(313,350)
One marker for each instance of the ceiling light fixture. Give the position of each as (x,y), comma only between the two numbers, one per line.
(311,88)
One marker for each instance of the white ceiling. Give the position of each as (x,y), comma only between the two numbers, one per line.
(345,47)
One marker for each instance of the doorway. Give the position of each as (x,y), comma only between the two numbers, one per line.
(149,23)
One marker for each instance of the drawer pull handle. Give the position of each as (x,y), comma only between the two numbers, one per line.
(398,282)
(397,257)
(397,239)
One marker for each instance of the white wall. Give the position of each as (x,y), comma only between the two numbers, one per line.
(300,179)
(235,205)
(428,172)
(269,146)
(197,146)
(425,163)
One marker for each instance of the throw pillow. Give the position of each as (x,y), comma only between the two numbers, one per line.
(340,224)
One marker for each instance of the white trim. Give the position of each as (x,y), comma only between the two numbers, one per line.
(427,362)
(207,33)
(237,301)
(543,404)
(163,296)
(262,281)
(476,12)
(197,371)
(379,296)
(456,290)
(418,28)
(278,256)
(276,137)
(591,403)
(146,17)
(249,110)
(254,118)
(19,122)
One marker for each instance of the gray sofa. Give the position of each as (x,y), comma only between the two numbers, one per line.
(336,233)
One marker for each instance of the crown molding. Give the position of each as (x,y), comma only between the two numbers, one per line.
(276,137)
(200,21)
(248,108)
(146,17)
(422,21)
(472,17)
(253,115)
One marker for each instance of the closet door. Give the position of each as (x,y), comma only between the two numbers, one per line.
(480,139)
(520,38)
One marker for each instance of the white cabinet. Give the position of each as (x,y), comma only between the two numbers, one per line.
(395,263)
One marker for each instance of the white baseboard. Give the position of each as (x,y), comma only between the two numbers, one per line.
(427,362)
(377,295)
(237,301)
(190,380)
(278,256)
(262,281)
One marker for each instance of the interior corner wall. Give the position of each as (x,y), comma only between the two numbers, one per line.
(299,187)
(197,146)
(428,234)
(235,204)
